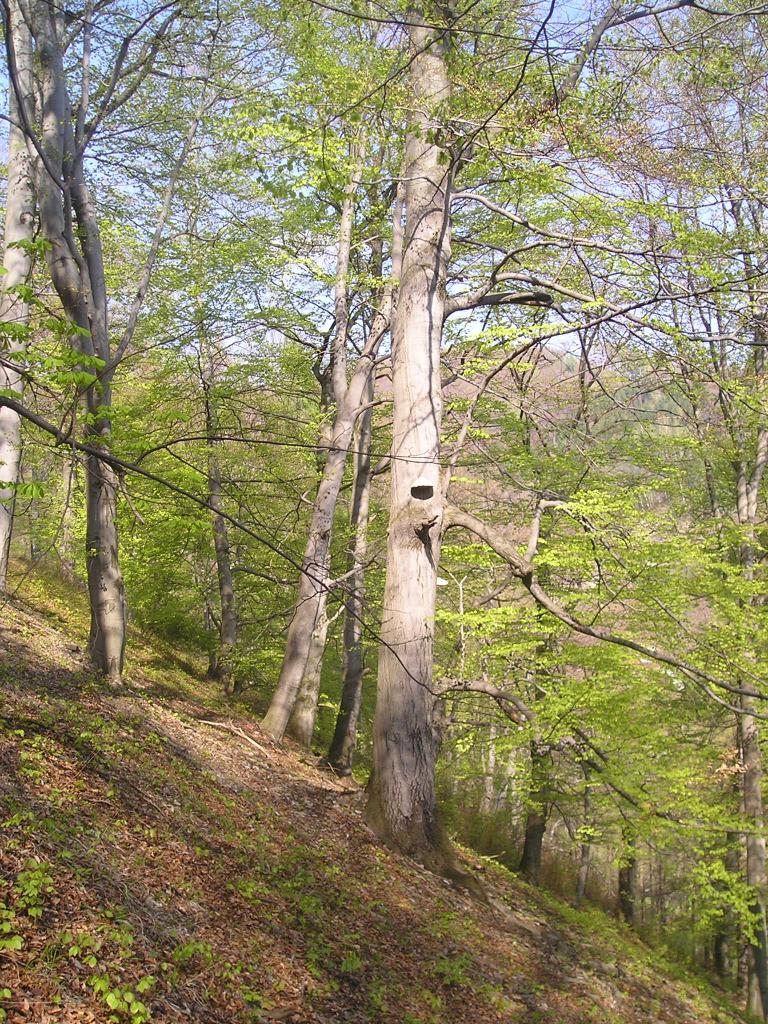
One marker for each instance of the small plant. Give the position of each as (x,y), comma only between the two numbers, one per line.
(121,999)
(377,996)
(33,883)
(84,947)
(254,999)
(452,971)
(188,951)
(9,936)
(352,962)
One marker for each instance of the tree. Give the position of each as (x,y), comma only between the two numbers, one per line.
(69,224)
(17,263)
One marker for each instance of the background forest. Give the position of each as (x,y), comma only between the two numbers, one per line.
(407,363)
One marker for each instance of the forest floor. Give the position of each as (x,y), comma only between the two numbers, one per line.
(155,866)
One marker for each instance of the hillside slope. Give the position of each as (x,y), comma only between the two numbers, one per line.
(154,866)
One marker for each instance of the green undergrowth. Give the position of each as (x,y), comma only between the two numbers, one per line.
(153,868)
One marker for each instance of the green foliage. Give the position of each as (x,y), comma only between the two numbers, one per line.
(33,884)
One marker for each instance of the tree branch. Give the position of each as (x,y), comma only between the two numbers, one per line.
(523,569)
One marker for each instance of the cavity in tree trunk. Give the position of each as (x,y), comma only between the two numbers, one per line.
(17,263)
(402,807)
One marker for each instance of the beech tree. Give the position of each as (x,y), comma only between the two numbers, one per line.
(17,263)
(69,223)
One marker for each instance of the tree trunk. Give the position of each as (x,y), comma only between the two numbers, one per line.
(309,610)
(488,799)
(757,996)
(720,955)
(538,813)
(530,861)
(66,531)
(749,737)
(345,734)
(212,672)
(17,263)
(628,881)
(401,806)
(228,609)
(725,957)
(585,852)
(313,582)
(585,856)
(301,726)
(76,265)
(106,642)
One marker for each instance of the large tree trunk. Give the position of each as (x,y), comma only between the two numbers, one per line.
(344,739)
(488,798)
(105,582)
(65,545)
(228,629)
(402,807)
(17,263)
(314,580)
(747,489)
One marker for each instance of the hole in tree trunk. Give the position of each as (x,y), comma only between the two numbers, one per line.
(422,491)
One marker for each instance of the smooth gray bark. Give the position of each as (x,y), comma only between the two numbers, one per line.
(294,704)
(309,609)
(76,266)
(222,665)
(401,806)
(585,851)
(344,739)
(228,608)
(17,263)
(301,726)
